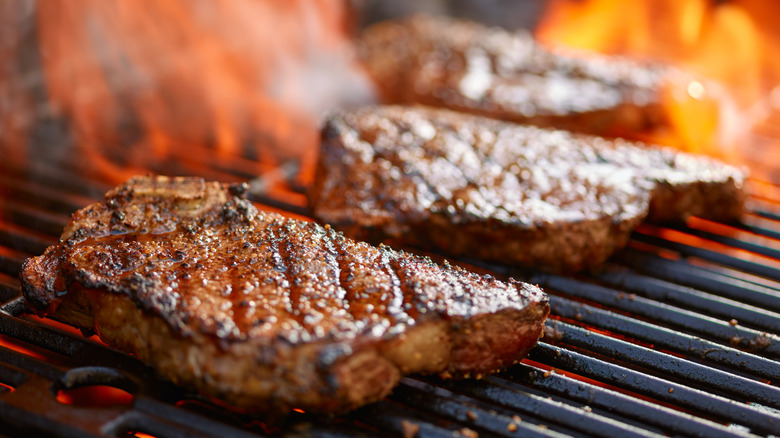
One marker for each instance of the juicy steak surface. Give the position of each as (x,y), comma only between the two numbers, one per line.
(468,67)
(266,312)
(518,195)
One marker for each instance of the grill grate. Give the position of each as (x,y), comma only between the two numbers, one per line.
(645,348)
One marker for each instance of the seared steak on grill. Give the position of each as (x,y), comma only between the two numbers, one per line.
(513,194)
(468,67)
(269,313)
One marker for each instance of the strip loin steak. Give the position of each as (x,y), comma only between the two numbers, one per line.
(518,195)
(269,313)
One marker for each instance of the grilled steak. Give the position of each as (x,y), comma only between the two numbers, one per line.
(269,313)
(465,66)
(513,194)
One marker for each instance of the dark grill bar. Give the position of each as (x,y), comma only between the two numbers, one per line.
(747,266)
(667,339)
(663,390)
(682,272)
(665,364)
(708,303)
(673,338)
(703,325)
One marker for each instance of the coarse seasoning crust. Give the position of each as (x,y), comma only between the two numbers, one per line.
(519,195)
(266,312)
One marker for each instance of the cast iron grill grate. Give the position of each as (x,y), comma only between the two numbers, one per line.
(678,336)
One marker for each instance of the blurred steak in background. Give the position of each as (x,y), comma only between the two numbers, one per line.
(465,66)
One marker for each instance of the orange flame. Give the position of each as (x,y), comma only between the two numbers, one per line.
(223,78)
(15,103)
(732,43)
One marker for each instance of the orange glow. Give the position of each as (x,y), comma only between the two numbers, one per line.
(548,371)
(730,45)
(29,350)
(16,105)
(141,435)
(143,83)
(97,396)
(731,232)
(62,327)
(699,242)
(598,330)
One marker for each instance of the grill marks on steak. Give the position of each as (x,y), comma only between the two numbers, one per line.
(513,194)
(267,312)
(465,66)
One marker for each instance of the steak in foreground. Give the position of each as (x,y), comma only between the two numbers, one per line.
(518,195)
(269,313)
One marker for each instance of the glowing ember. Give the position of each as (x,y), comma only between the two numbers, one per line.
(140,435)
(62,327)
(97,396)
(693,240)
(28,349)
(731,42)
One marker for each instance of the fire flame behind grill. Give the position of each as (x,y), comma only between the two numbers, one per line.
(735,43)
(142,83)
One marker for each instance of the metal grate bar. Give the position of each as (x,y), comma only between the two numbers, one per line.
(554,412)
(37,335)
(32,422)
(682,272)
(714,406)
(39,220)
(660,290)
(29,363)
(473,413)
(12,376)
(759,230)
(41,196)
(193,423)
(390,417)
(9,288)
(24,240)
(712,256)
(672,340)
(645,412)
(16,307)
(51,175)
(11,261)
(667,365)
(235,165)
(766,214)
(764,250)
(664,313)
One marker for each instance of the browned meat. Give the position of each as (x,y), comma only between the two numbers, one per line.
(465,66)
(513,194)
(269,313)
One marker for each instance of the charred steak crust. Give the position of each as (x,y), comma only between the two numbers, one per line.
(513,194)
(269,313)
(468,67)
